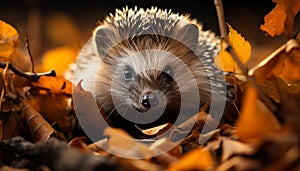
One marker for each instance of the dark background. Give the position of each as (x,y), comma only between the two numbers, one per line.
(244,16)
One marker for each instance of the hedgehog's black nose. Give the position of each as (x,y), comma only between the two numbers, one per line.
(149,100)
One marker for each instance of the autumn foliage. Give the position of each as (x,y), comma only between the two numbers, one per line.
(39,128)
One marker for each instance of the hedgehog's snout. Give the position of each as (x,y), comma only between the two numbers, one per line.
(149,90)
(149,100)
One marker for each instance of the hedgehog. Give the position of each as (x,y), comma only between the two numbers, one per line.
(148,67)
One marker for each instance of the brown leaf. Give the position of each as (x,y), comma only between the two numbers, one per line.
(56,85)
(10,127)
(88,114)
(278,90)
(54,108)
(40,129)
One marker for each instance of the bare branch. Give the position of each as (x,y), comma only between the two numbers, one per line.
(34,77)
(224,37)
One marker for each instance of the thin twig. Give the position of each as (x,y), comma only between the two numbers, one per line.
(34,77)
(221,17)
(29,53)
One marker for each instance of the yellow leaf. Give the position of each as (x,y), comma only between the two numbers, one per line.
(242,48)
(197,159)
(58,59)
(255,120)
(9,39)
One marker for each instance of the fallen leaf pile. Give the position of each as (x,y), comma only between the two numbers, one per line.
(39,129)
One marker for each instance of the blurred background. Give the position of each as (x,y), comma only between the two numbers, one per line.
(69,23)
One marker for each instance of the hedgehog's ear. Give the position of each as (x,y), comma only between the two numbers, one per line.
(190,34)
(103,36)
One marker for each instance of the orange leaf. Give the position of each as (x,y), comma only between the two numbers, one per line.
(56,84)
(9,39)
(242,48)
(281,18)
(291,71)
(255,120)
(197,159)
(283,62)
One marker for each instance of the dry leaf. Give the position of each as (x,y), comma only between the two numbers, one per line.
(9,39)
(231,148)
(242,48)
(40,129)
(283,62)
(197,159)
(88,114)
(80,143)
(278,90)
(291,70)
(57,85)
(120,143)
(281,18)
(58,59)
(54,108)
(238,163)
(10,127)
(155,130)
(255,120)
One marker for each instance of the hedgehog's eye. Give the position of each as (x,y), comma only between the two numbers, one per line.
(129,74)
(168,70)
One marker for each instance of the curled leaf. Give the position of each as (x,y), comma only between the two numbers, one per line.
(40,129)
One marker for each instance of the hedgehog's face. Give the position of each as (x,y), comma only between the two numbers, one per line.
(144,87)
(150,89)
(149,85)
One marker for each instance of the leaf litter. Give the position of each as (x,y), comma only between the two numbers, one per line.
(39,128)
